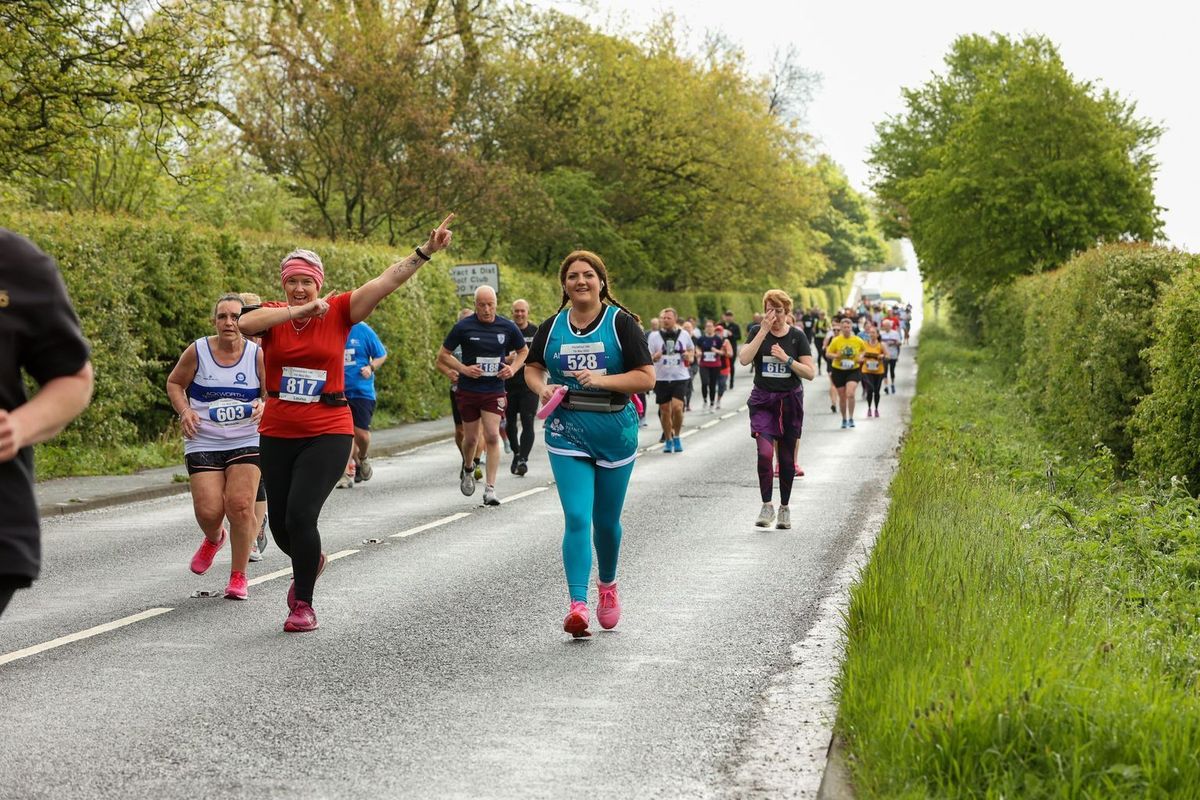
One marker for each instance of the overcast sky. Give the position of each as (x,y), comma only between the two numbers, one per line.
(866,51)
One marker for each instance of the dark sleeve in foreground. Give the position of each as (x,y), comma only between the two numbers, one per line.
(537,350)
(55,346)
(634,350)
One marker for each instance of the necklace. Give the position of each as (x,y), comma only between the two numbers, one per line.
(579,329)
(300,328)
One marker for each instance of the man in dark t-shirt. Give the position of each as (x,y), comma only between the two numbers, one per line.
(522,403)
(735,337)
(486,339)
(39,334)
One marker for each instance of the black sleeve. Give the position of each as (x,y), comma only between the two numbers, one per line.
(635,352)
(453,338)
(537,350)
(55,346)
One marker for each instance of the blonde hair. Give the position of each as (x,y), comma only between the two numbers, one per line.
(778,297)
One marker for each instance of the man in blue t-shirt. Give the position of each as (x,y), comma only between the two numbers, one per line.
(486,339)
(364,356)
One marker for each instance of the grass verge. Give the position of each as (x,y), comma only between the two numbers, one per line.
(1026,626)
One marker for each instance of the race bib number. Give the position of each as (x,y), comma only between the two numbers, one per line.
(490,365)
(710,357)
(229,413)
(583,355)
(772,367)
(300,385)
(348,357)
(872,366)
(672,360)
(846,363)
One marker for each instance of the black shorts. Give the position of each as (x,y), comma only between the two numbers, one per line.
(220,460)
(454,407)
(261,497)
(841,377)
(666,391)
(362,410)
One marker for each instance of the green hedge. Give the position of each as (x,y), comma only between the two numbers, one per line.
(1075,341)
(1166,424)
(144,289)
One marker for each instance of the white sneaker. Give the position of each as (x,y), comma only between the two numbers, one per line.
(489,496)
(766,516)
(345,482)
(785,519)
(254,554)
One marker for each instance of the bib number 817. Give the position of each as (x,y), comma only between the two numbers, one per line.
(300,386)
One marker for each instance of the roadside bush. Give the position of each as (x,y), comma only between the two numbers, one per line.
(1085,327)
(1166,423)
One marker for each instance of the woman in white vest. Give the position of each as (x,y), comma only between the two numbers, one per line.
(216,389)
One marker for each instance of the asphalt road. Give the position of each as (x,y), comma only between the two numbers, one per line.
(440,668)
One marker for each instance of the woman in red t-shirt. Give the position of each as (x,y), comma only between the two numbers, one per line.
(306,429)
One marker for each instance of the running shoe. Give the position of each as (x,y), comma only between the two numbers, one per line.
(345,482)
(522,467)
(608,610)
(466,481)
(877,413)
(669,447)
(799,471)
(513,467)
(261,542)
(489,496)
(678,445)
(302,619)
(255,555)
(478,471)
(785,519)
(236,590)
(206,552)
(851,421)
(833,408)
(718,405)
(364,471)
(845,424)
(765,516)
(576,622)
(507,446)
(291,595)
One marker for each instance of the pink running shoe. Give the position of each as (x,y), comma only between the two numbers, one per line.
(799,471)
(302,619)
(608,610)
(206,553)
(236,590)
(577,619)
(291,597)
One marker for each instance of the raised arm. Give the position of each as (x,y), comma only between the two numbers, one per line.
(364,299)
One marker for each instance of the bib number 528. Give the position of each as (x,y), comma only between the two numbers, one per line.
(577,361)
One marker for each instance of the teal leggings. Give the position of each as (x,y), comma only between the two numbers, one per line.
(592,498)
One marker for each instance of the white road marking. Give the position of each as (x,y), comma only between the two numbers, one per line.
(526,493)
(75,637)
(270,576)
(340,554)
(730,414)
(709,424)
(688,433)
(429,525)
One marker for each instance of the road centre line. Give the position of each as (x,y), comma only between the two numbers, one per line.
(429,525)
(270,576)
(86,634)
(709,424)
(526,493)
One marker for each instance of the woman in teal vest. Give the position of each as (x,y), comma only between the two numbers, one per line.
(595,347)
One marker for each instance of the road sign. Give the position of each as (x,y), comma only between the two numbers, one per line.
(469,277)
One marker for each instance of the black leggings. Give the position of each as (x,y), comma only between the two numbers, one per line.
(522,404)
(871,386)
(766,468)
(712,384)
(890,364)
(300,474)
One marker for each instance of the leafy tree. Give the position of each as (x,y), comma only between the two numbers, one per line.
(852,241)
(1008,165)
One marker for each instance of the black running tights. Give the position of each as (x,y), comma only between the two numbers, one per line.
(766,468)
(522,405)
(300,474)
(872,384)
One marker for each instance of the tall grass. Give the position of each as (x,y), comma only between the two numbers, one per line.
(1026,627)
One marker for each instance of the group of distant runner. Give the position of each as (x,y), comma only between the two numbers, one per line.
(276,405)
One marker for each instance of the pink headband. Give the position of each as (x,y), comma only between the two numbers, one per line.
(301,266)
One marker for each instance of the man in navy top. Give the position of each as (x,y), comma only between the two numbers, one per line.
(486,340)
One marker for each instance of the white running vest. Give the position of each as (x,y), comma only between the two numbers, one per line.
(222,396)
